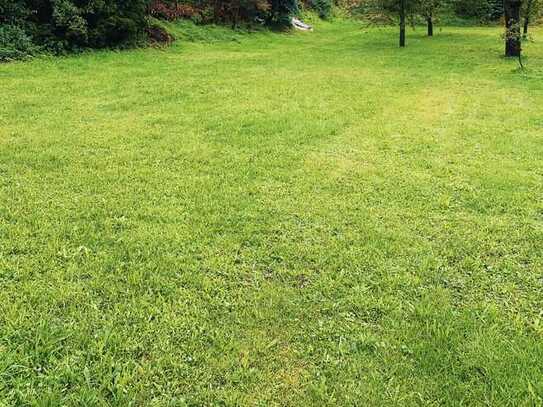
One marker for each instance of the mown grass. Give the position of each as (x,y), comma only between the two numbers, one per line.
(277,219)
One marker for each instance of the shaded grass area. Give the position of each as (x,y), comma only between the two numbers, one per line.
(282,219)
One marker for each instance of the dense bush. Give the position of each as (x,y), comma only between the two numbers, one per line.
(480,9)
(15,43)
(174,10)
(60,26)
(65,25)
(281,12)
(322,7)
(234,12)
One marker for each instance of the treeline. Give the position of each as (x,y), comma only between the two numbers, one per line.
(28,27)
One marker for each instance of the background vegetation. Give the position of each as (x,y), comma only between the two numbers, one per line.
(60,26)
(29,27)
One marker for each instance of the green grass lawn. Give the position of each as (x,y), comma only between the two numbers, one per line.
(274,219)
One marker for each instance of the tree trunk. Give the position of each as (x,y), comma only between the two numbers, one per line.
(512,25)
(402,23)
(527,18)
(430,26)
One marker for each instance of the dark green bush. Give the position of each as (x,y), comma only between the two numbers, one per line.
(67,25)
(322,7)
(485,10)
(13,11)
(281,12)
(15,43)
(60,26)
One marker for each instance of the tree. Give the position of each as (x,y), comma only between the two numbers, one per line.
(403,6)
(531,10)
(403,9)
(529,4)
(428,9)
(391,7)
(512,28)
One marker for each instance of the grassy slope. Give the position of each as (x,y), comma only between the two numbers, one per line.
(281,219)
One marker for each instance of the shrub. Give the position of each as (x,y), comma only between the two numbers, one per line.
(66,25)
(481,9)
(15,43)
(159,35)
(13,11)
(238,11)
(281,12)
(173,10)
(61,26)
(205,11)
(322,7)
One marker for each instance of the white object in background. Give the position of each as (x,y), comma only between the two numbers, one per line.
(300,25)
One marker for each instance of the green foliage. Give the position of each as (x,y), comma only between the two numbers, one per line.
(15,43)
(533,9)
(480,9)
(60,26)
(13,11)
(429,8)
(470,10)
(281,12)
(387,6)
(67,25)
(322,7)
(231,12)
